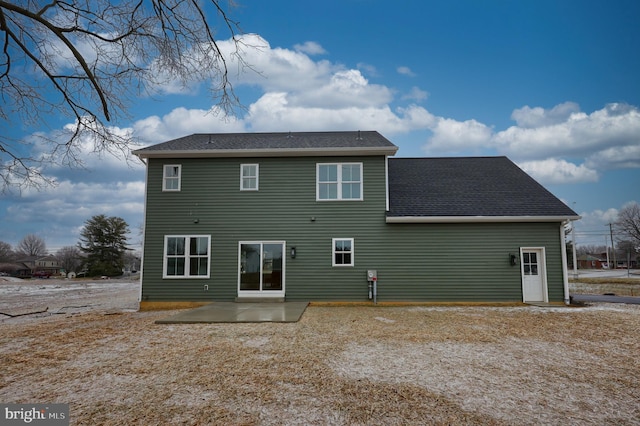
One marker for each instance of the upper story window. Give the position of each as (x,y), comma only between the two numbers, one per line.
(249,177)
(186,256)
(171,177)
(340,181)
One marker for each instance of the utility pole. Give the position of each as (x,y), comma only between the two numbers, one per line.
(613,248)
(573,243)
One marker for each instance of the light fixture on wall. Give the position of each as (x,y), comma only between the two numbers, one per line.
(293,252)
(513,259)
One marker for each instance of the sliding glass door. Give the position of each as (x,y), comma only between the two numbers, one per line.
(261,268)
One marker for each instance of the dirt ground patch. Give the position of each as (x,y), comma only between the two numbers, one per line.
(337,365)
(60,296)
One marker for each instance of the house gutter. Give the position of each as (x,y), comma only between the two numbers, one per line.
(478,219)
(386,182)
(268,152)
(144,225)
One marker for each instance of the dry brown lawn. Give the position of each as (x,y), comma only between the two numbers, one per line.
(337,365)
(618,286)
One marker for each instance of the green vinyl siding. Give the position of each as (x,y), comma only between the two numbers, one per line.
(464,262)
(283,209)
(433,262)
(415,262)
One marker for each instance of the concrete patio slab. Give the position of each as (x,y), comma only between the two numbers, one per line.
(231,312)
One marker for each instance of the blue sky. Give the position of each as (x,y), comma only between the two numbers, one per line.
(553,85)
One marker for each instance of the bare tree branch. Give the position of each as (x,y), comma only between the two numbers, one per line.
(59,33)
(89,60)
(629,221)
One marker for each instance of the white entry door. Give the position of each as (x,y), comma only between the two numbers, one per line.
(534,288)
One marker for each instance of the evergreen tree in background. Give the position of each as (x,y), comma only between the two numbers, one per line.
(104,241)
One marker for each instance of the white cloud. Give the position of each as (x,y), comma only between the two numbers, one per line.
(298,94)
(601,216)
(544,141)
(310,48)
(405,71)
(593,227)
(78,195)
(161,81)
(343,89)
(272,112)
(553,171)
(274,69)
(416,94)
(181,122)
(417,118)
(368,69)
(90,153)
(527,117)
(452,136)
(616,126)
(616,158)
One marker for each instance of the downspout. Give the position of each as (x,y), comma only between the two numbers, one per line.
(565,274)
(386,181)
(144,226)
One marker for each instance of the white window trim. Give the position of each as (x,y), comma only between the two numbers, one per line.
(339,182)
(165,177)
(333,253)
(187,258)
(257,177)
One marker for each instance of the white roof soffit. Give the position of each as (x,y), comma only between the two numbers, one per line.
(269,152)
(478,219)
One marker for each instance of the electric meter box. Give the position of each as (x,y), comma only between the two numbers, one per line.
(372,275)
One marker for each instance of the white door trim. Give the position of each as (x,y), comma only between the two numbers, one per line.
(542,273)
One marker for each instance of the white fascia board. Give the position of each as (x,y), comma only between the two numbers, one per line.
(477,219)
(269,152)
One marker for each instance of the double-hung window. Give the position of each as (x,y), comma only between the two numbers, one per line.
(186,256)
(339,181)
(342,252)
(171,177)
(249,177)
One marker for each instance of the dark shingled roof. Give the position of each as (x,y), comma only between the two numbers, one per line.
(217,142)
(467,186)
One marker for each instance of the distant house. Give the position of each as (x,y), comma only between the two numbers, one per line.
(33,265)
(626,260)
(306,216)
(592,261)
(18,269)
(623,259)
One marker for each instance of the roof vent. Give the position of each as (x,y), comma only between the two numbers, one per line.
(359,136)
(289,136)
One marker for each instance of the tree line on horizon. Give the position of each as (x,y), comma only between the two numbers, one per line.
(102,249)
